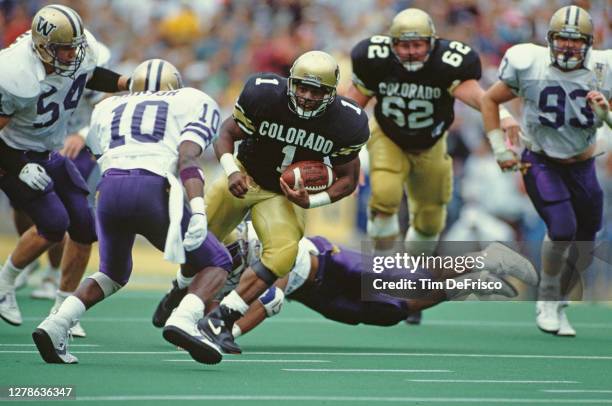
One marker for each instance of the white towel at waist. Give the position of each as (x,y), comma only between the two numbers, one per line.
(173,250)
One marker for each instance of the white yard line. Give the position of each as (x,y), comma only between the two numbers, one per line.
(32,345)
(577,390)
(390,399)
(342,370)
(484,381)
(442,355)
(263,361)
(357,354)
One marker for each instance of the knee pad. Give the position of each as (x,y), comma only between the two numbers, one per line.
(107,285)
(280,259)
(272,300)
(381,226)
(429,219)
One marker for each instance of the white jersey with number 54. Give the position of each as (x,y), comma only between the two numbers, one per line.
(143,130)
(557,119)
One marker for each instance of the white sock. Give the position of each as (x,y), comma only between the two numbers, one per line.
(554,255)
(236,331)
(9,272)
(191,305)
(71,310)
(60,297)
(182,281)
(235,302)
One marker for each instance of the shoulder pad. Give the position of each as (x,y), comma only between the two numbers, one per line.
(104,55)
(260,86)
(522,56)
(21,71)
(91,56)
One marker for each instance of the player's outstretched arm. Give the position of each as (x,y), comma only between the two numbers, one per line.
(256,313)
(356,95)
(230,132)
(193,182)
(489,107)
(105,80)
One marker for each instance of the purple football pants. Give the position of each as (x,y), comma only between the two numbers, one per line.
(61,207)
(134,202)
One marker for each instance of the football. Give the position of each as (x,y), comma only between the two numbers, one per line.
(315,175)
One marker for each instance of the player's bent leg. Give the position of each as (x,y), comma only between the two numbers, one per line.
(388,170)
(223,210)
(429,188)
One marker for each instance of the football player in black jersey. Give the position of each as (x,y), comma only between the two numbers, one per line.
(415,78)
(279,121)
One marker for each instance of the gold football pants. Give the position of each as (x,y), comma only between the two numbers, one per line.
(426,176)
(278,222)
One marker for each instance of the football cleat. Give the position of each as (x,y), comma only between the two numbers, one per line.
(547,316)
(76,330)
(565,328)
(504,261)
(51,339)
(168,303)
(9,309)
(47,290)
(215,327)
(182,331)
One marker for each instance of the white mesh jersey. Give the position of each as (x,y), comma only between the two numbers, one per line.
(143,130)
(79,120)
(39,104)
(556,117)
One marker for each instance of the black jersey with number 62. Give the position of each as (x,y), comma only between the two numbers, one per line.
(277,137)
(414,109)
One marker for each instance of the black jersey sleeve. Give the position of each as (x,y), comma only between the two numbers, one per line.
(255,92)
(459,61)
(366,58)
(356,133)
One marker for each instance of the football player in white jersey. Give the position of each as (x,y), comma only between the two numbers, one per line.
(147,138)
(42,77)
(565,88)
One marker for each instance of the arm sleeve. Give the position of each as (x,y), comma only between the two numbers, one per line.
(350,150)
(508,71)
(204,125)
(360,69)
(7,105)
(104,80)
(245,107)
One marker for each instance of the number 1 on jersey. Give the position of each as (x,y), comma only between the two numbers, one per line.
(289,152)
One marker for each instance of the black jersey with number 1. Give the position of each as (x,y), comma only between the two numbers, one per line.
(277,137)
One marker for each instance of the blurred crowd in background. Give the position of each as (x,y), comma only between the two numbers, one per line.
(217,44)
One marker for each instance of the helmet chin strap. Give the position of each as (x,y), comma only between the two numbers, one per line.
(413,66)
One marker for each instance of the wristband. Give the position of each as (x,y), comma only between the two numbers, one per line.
(192,172)
(497,141)
(319,199)
(229,164)
(197,205)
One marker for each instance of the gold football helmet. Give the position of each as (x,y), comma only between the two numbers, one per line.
(413,24)
(315,69)
(155,75)
(569,23)
(57,27)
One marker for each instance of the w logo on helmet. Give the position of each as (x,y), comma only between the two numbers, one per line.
(44,27)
